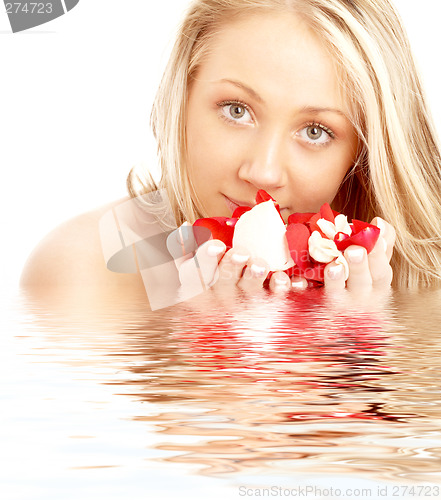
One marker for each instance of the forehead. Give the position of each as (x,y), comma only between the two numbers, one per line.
(277,53)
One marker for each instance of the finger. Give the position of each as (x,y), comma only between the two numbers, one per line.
(359,272)
(379,266)
(207,259)
(335,276)
(387,233)
(298,283)
(254,275)
(181,244)
(280,282)
(231,267)
(199,272)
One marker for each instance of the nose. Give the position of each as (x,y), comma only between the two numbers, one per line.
(266,161)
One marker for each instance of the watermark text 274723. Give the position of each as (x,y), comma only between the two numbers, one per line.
(26,15)
(29,7)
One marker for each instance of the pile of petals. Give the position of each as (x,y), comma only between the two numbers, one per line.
(222,228)
(313,239)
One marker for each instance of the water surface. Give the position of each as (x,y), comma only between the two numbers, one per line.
(221,397)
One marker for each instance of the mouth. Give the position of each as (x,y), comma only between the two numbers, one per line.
(233,204)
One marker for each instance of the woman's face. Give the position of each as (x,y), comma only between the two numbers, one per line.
(266,111)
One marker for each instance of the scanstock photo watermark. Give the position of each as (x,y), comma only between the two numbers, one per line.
(318,492)
(26,15)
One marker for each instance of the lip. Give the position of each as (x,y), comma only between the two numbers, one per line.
(233,204)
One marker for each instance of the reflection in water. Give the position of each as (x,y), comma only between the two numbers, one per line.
(270,384)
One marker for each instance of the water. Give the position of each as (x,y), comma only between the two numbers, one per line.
(227,397)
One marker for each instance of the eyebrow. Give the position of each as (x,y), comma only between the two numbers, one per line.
(304,109)
(313,109)
(244,87)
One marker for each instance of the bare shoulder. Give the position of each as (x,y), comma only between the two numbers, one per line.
(71,254)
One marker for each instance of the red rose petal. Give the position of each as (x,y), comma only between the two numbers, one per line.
(327,213)
(315,218)
(359,225)
(240,211)
(339,237)
(314,273)
(299,218)
(313,226)
(262,196)
(297,236)
(365,235)
(221,228)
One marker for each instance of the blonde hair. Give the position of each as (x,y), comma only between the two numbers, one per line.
(397,172)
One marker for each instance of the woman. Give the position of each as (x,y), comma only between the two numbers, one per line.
(313,101)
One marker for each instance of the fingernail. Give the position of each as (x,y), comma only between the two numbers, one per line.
(355,255)
(335,272)
(281,282)
(257,271)
(214,250)
(384,243)
(299,283)
(239,259)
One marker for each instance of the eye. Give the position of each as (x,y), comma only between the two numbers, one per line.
(316,134)
(235,111)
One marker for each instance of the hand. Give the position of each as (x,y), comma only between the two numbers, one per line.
(225,271)
(235,269)
(248,274)
(365,271)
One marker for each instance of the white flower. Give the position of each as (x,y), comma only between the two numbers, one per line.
(341,225)
(321,249)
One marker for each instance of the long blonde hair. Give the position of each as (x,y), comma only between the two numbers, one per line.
(397,173)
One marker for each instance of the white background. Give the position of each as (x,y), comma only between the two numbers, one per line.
(75,99)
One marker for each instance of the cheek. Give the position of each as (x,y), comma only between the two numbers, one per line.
(341,161)
(196,140)
(210,149)
(320,181)
(337,173)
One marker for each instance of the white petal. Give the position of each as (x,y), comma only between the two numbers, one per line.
(327,227)
(321,249)
(261,231)
(342,225)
